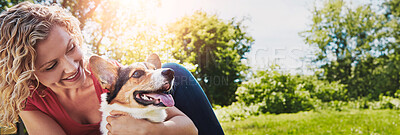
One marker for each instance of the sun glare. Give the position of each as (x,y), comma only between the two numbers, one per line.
(143,10)
(130,25)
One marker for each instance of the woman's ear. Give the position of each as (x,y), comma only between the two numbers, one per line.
(33,82)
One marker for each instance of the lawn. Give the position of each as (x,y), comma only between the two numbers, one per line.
(321,123)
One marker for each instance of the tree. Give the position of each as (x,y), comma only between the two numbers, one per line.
(216,48)
(121,30)
(393,15)
(82,9)
(354,48)
(126,31)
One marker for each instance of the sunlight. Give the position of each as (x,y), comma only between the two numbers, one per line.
(160,12)
(143,10)
(130,29)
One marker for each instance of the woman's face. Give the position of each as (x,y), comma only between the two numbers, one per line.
(59,61)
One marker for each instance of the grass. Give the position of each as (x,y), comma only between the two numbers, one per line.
(320,123)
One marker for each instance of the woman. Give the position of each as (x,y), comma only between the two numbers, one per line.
(44,80)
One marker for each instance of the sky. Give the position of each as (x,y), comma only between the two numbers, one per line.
(274,24)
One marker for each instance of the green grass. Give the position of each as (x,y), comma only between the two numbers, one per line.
(321,123)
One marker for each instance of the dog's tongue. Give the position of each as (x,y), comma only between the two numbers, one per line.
(166,99)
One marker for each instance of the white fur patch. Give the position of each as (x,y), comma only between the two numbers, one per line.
(152,113)
(158,80)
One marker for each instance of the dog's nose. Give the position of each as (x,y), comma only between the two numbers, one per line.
(169,73)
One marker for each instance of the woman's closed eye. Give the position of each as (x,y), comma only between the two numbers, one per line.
(72,48)
(51,66)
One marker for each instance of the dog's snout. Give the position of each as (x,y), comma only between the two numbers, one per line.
(169,73)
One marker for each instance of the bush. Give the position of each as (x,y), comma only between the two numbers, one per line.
(236,111)
(284,93)
(324,90)
(385,102)
(274,92)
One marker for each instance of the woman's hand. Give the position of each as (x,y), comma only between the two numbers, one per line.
(121,123)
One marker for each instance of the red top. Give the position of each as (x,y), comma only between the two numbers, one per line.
(51,106)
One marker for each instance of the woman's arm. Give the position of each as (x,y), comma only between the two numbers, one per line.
(176,123)
(38,123)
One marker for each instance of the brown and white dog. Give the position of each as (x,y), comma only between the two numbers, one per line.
(141,89)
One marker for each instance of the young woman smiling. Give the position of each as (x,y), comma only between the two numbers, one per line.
(44,80)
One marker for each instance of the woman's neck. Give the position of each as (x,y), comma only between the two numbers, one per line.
(72,93)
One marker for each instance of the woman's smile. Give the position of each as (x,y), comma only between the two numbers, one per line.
(75,76)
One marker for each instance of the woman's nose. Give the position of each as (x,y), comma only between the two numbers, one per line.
(70,66)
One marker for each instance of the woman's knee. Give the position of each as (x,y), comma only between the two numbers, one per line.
(183,77)
(179,69)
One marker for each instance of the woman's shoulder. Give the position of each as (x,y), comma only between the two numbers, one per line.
(35,99)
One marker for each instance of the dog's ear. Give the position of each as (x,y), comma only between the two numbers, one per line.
(155,60)
(105,71)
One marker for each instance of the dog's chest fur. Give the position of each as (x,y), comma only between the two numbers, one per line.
(153,114)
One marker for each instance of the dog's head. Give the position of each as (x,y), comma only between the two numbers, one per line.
(138,85)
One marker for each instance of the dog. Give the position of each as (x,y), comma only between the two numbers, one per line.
(141,89)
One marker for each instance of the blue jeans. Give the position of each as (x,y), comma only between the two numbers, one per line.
(190,99)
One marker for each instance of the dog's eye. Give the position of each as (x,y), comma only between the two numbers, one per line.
(137,73)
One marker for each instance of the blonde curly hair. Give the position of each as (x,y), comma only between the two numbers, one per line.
(21,28)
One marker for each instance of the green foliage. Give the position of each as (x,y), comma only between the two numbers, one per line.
(119,30)
(83,9)
(323,90)
(318,123)
(4,4)
(284,93)
(355,47)
(274,92)
(126,31)
(216,47)
(236,111)
(385,102)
